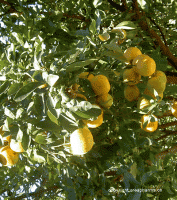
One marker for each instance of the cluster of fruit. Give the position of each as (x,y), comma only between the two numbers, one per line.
(143,65)
(81,140)
(9,152)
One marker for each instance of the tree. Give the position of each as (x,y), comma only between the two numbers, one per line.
(45,46)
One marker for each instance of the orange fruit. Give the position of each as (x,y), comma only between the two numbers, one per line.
(95,123)
(8,157)
(160,75)
(151,126)
(174,109)
(145,66)
(131,93)
(131,77)
(105,101)
(81,141)
(100,84)
(131,53)
(157,83)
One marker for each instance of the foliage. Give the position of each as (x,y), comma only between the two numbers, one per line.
(52,42)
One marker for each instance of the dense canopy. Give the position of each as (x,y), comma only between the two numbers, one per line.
(45,45)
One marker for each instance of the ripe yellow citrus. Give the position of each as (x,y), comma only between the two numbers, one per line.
(145,65)
(148,92)
(100,84)
(151,126)
(160,75)
(105,101)
(174,109)
(138,58)
(157,83)
(86,75)
(8,157)
(131,93)
(131,53)
(81,141)
(104,36)
(131,77)
(143,103)
(95,123)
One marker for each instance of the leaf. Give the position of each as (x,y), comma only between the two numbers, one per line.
(52,79)
(19,113)
(77,65)
(92,27)
(37,157)
(4,87)
(87,112)
(126,25)
(114,47)
(14,88)
(26,90)
(41,138)
(97,3)
(116,55)
(9,113)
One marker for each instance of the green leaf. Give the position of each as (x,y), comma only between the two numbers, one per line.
(87,112)
(52,79)
(9,113)
(26,90)
(52,117)
(37,157)
(4,87)
(116,55)
(14,88)
(114,47)
(126,25)
(77,65)
(92,27)
(41,138)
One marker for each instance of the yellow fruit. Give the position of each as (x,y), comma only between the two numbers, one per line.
(100,84)
(81,141)
(131,53)
(138,58)
(151,126)
(156,83)
(105,101)
(131,93)
(145,66)
(131,77)
(8,157)
(95,123)
(148,92)
(143,103)
(174,109)
(160,75)
(104,36)
(86,75)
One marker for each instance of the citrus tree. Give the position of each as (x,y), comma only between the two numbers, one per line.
(88,99)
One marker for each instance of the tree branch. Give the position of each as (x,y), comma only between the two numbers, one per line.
(140,17)
(166,135)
